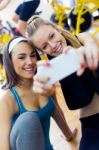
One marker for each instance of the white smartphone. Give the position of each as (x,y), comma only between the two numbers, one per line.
(61,66)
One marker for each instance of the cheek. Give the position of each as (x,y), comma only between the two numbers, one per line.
(47,51)
(64,41)
(17,64)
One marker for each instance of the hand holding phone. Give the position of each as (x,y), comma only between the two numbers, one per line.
(60,66)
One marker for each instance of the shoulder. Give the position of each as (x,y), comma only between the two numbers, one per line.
(85,34)
(86,37)
(6,101)
(5,95)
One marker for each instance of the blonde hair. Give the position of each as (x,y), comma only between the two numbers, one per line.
(35,22)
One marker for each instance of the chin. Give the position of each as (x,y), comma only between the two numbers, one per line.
(30,78)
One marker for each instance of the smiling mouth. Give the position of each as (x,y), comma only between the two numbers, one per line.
(58,49)
(30,69)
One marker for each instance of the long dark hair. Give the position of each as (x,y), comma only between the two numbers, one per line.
(12,78)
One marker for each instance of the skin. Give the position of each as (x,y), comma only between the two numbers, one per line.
(20,58)
(88,55)
(53,43)
(4,3)
(25,63)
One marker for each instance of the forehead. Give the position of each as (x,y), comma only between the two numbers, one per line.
(22,47)
(42,34)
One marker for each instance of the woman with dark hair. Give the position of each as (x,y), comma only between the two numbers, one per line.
(79,91)
(25,115)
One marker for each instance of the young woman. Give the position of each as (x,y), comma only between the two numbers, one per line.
(24,115)
(79,92)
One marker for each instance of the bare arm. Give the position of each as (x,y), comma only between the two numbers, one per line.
(89,52)
(4,3)
(5,124)
(86,37)
(59,118)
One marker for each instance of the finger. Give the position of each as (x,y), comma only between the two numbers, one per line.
(95,56)
(83,63)
(75,132)
(80,71)
(42,89)
(89,60)
(41,79)
(91,54)
(39,90)
(66,49)
(81,56)
(43,84)
(57,84)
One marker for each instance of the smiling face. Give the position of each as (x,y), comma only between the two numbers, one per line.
(24,60)
(49,40)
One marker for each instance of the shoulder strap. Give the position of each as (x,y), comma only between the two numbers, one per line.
(17,98)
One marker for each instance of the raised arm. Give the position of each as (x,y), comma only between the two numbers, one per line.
(89,52)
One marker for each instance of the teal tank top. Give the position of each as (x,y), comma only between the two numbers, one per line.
(44,115)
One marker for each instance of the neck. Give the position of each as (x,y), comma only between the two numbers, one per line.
(26,84)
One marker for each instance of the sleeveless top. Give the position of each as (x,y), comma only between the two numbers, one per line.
(43,113)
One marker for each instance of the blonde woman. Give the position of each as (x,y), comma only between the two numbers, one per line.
(79,91)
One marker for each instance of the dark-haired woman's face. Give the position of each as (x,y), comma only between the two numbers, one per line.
(49,40)
(24,60)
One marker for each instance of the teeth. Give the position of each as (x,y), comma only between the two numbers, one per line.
(59,49)
(29,69)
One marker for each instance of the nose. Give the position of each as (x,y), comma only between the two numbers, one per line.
(29,60)
(52,45)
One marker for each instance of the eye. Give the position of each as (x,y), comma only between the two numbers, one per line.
(44,47)
(21,57)
(52,36)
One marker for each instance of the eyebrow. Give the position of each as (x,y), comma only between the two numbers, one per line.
(50,34)
(22,54)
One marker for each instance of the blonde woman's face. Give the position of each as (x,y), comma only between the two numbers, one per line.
(49,40)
